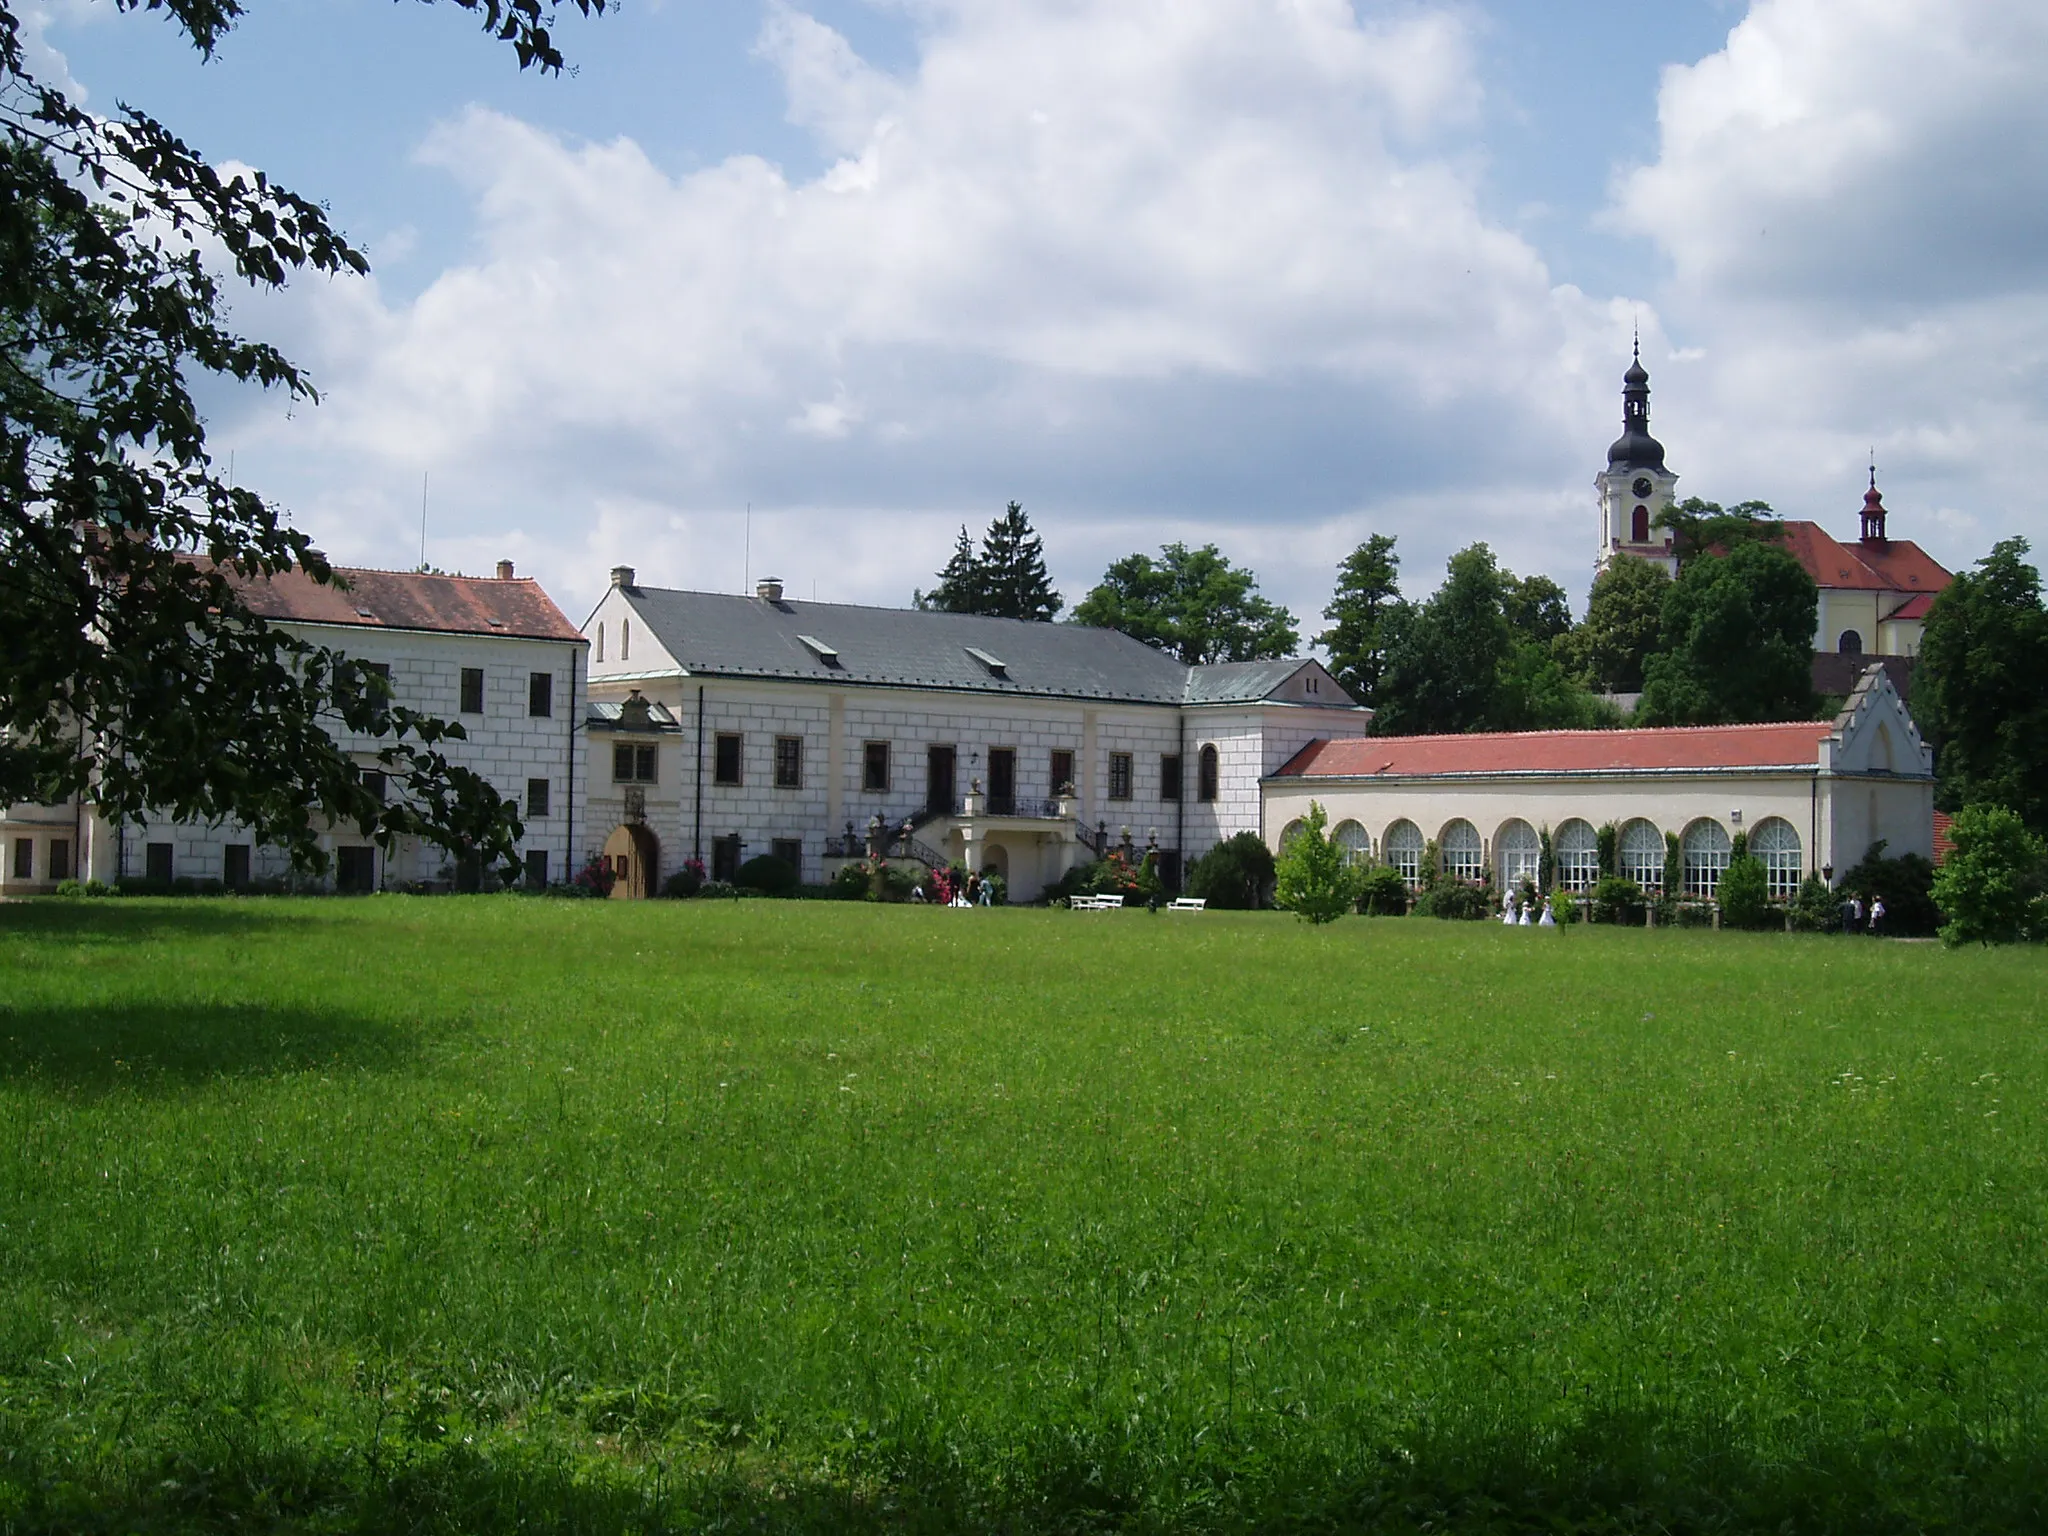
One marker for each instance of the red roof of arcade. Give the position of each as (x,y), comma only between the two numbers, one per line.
(460,605)
(1792,744)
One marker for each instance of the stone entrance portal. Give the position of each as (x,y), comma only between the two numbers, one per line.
(633,854)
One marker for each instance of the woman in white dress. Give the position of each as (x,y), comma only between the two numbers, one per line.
(1509,907)
(1549,918)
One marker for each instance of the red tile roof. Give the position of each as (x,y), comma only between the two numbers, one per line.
(1792,744)
(461,605)
(1896,565)
(1915,607)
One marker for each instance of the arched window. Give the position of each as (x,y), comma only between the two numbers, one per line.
(1639,526)
(1851,643)
(625,639)
(600,644)
(1404,851)
(1352,844)
(1640,855)
(1776,844)
(1205,775)
(1704,850)
(1517,853)
(1577,850)
(1463,854)
(1881,756)
(1290,832)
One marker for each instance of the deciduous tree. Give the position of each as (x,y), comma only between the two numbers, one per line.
(1735,643)
(1981,686)
(1624,615)
(1192,602)
(1706,527)
(130,666)
(1310,878)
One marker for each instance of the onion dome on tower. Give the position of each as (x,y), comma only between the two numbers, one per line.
(1635,448)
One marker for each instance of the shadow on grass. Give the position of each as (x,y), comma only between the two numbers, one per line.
(1621,1477)
(136,919)
(143,1046)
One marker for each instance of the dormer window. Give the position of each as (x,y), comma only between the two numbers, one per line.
(993,665)
(819,649)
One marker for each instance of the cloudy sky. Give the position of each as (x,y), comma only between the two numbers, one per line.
(1269,273)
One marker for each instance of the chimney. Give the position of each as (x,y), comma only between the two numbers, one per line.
(504,570)
(769,589)
(622,576)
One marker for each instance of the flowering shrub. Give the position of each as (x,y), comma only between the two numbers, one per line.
(595,879)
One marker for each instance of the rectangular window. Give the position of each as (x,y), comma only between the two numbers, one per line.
(1169,776)
(355,870)
(60,858)
(537,867)
(631,764)
(536,797)
(725,856)
(790,850)
(472,690)
(789,762)
(874,767)
(725,758)
(1119,775)
(376,783)
(234,866)
(540,695)
(382,697)
(24,858)
(157,863)
(1062,772)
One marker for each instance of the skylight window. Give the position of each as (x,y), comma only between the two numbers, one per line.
(996,666)
(820,649)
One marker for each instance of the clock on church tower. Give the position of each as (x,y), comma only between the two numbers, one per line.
(1635,486)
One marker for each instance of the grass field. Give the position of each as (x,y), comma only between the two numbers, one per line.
(494,1213)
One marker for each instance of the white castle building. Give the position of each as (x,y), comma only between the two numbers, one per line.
(492,653)
(723,727)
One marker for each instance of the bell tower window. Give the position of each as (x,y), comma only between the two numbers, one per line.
(1639,526)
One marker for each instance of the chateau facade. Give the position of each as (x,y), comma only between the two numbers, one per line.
(723,727)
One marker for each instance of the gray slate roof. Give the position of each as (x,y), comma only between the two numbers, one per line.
(724,635)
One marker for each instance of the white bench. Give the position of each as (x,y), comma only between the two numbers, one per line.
(1094,903)
(1187,904)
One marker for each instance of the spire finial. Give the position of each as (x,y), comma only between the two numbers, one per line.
(1636,349)
(1873,468)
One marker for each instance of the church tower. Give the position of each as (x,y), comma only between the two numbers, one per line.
(1635,486)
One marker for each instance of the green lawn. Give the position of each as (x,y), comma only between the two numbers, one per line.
(474,1213)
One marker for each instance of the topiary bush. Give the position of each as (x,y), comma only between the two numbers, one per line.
(684,883)
(1235,875)
(768,875)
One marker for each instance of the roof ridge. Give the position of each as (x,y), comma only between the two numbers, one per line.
(1596,731)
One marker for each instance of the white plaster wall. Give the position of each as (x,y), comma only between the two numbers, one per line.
(1671,804)
(504,744)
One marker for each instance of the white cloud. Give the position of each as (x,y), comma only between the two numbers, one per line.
(1159,268)
(1853,196)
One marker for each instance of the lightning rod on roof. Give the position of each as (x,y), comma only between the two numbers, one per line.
(423,519)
